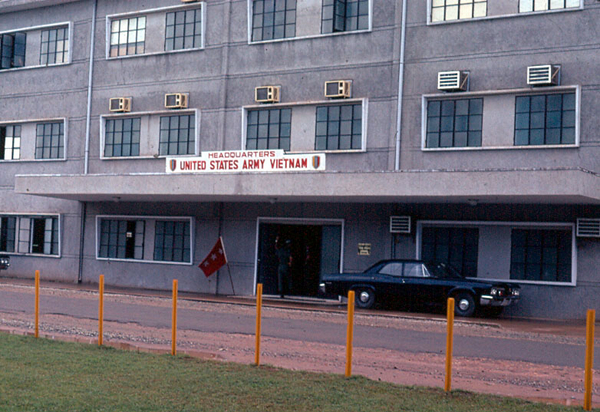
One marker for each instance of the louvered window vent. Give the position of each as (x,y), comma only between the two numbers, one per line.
(400,224)
(588,227)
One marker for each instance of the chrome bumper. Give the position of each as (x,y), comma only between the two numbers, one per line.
(488,300)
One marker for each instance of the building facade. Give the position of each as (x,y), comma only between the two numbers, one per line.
(462,131)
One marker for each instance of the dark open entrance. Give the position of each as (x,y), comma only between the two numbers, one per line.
(315,249)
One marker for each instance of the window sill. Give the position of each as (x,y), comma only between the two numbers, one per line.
(45,66)
(348,151)
(154,53)
(502,16)
(145,157)
(532,147)
(145,261)
(32,160)
(31,255)
(311,36)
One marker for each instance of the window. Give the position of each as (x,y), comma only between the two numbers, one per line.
(177,135)
(10,142)
(269,129)
(545,119)
(540,5)
(459,247)
(344,15)
(392,269)
(541,255)
(128,36)
(414,270)
(443,10)
(122,137)
(122,239)
(49,143)
(44,236)
(339,127)
(273,19)
(55,46)
(454,123)
(172,241)
(183,30)
(7,233)
(13,50)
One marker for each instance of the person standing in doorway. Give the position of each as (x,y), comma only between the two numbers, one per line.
(284,256)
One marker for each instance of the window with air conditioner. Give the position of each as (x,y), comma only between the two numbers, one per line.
(454,123)
(447,10)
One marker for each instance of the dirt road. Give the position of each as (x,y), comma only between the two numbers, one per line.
(558,384)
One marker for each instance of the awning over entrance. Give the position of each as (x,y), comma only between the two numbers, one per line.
(547,186)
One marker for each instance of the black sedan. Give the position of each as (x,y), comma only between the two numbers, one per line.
(417,282)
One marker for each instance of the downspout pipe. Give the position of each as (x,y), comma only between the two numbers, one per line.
(88,122)
(400,86)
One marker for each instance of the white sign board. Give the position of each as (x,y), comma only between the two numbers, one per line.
(236,161)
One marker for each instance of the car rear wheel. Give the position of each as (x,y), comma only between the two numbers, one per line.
(464,304)
(365,298)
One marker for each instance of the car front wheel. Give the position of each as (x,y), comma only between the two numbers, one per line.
(464,305)
(365,298)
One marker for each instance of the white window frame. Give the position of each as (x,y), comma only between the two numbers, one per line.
(190,219)
(501,16)
(156,133)
(512,225)
(142,13)
(36,121)
(69,26)
(20,216)
(315,104)
(311,36)
(483,94)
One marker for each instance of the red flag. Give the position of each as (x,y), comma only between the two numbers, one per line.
(215,259)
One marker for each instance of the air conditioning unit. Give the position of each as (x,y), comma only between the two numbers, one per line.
(588,227)
(545,75)
(266,94)
(400,224)
(120,104)
(176,100)
(454,81)
(338,89)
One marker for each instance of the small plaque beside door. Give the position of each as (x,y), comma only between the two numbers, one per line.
(364,249)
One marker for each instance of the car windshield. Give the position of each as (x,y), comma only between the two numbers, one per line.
(443,270)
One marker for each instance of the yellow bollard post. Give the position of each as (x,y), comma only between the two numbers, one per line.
(449,341)
(174,320)
(37,303)
(589,360)
(349,333)
(100,309)
(259,288)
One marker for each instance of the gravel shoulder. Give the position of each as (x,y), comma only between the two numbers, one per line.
(518,379)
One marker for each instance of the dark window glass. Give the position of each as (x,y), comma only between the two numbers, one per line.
(121,239)
(339,127)
(454,123)
(44,236)
(545,119)
(459,247)
(12,50)
(273,19)
(183,30)
(54,47)
(172,241)
(122,137)
(49,143)
(128,36)
(7,233)
(269,129)
(344,15)
(177,135)
(541,255)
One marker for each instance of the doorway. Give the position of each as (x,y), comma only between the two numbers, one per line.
(315,249)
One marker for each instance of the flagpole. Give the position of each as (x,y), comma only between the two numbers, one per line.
(230,278)
(227,263)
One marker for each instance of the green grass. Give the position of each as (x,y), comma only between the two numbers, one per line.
(46,375)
